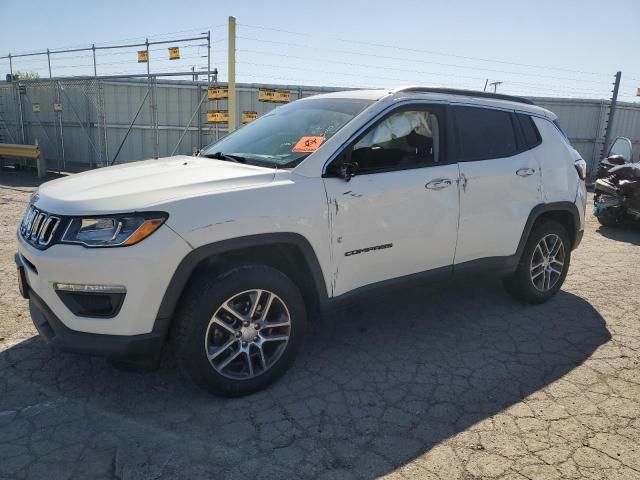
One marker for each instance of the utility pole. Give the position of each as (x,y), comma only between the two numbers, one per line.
(485,85)
(612,112)
(495,86)
(231,71)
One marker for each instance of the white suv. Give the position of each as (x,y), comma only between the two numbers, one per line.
(225,254)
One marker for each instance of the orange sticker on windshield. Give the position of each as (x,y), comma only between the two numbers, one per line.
(308,144)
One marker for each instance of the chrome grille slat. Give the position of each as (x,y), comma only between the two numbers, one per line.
(48,230)
(38,227)
(26,220)
(34,216)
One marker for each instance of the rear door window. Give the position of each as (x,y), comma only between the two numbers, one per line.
(484,133)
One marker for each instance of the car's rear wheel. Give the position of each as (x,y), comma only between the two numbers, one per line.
(544,264)
(238,332)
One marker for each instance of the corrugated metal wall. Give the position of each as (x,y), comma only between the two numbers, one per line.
(97,114)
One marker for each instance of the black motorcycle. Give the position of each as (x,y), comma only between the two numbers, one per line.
(617,190)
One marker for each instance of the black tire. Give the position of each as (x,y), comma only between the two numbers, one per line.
(202,299)
(520,285)
(607,219)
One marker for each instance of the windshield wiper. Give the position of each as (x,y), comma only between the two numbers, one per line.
(226,156)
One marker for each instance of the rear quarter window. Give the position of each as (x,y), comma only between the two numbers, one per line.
(530,132)
(557,124)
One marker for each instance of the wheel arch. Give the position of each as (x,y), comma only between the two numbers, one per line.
(566,213)
(289,252)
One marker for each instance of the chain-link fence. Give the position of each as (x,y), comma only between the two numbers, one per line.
(86,123)
(66,118)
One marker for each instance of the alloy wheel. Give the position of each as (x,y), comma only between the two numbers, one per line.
(247,334)
(547,262)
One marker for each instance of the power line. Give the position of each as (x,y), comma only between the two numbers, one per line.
(399,69)
(140,39)
(431,52)
(428,62)
(402,80)
(346,74)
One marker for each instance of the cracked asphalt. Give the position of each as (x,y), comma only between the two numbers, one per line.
(433,382)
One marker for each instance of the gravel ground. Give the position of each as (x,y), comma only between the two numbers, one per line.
(426,383)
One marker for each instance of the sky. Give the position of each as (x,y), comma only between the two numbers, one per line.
(542,48)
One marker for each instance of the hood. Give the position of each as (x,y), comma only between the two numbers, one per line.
(146,184)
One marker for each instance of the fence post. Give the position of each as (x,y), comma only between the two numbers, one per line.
(95,66)
(612,112)
(58,100)
(199,90)
(200,145)
(154,103)
(41,164)
(231,72)
(103,110)
(23,136)
(57,115)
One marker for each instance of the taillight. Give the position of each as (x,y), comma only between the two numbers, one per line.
(581,168)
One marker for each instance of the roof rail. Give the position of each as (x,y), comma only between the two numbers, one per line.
(467,93)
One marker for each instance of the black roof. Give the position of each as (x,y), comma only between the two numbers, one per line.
(468,93)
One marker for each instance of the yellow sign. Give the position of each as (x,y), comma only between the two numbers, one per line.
(143,56)
(248,117)
(276,96)
(174,53)
(35,107)
(57,107)
(218,116)
(217,93)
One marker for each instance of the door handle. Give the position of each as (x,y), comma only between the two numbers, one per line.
(526,172)
(438,184)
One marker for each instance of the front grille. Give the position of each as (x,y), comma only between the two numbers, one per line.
(38,227)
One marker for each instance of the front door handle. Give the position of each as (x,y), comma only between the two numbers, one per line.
(438,184)
(525,172)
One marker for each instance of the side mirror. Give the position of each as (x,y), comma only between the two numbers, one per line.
(348,170)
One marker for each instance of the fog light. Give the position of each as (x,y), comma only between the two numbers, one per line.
(102,301)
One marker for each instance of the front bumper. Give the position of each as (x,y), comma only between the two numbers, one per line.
(136,331)
(55,332)
(144,270)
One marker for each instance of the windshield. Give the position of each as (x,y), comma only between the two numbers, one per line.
(288,134)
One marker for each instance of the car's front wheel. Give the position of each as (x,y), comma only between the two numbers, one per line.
(239,331)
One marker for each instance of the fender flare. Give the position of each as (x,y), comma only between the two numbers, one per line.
(189,263)
(541,209)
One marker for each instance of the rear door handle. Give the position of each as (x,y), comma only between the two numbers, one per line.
(438,184)
(525,172)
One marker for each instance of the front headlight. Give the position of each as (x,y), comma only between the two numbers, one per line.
(113,230)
